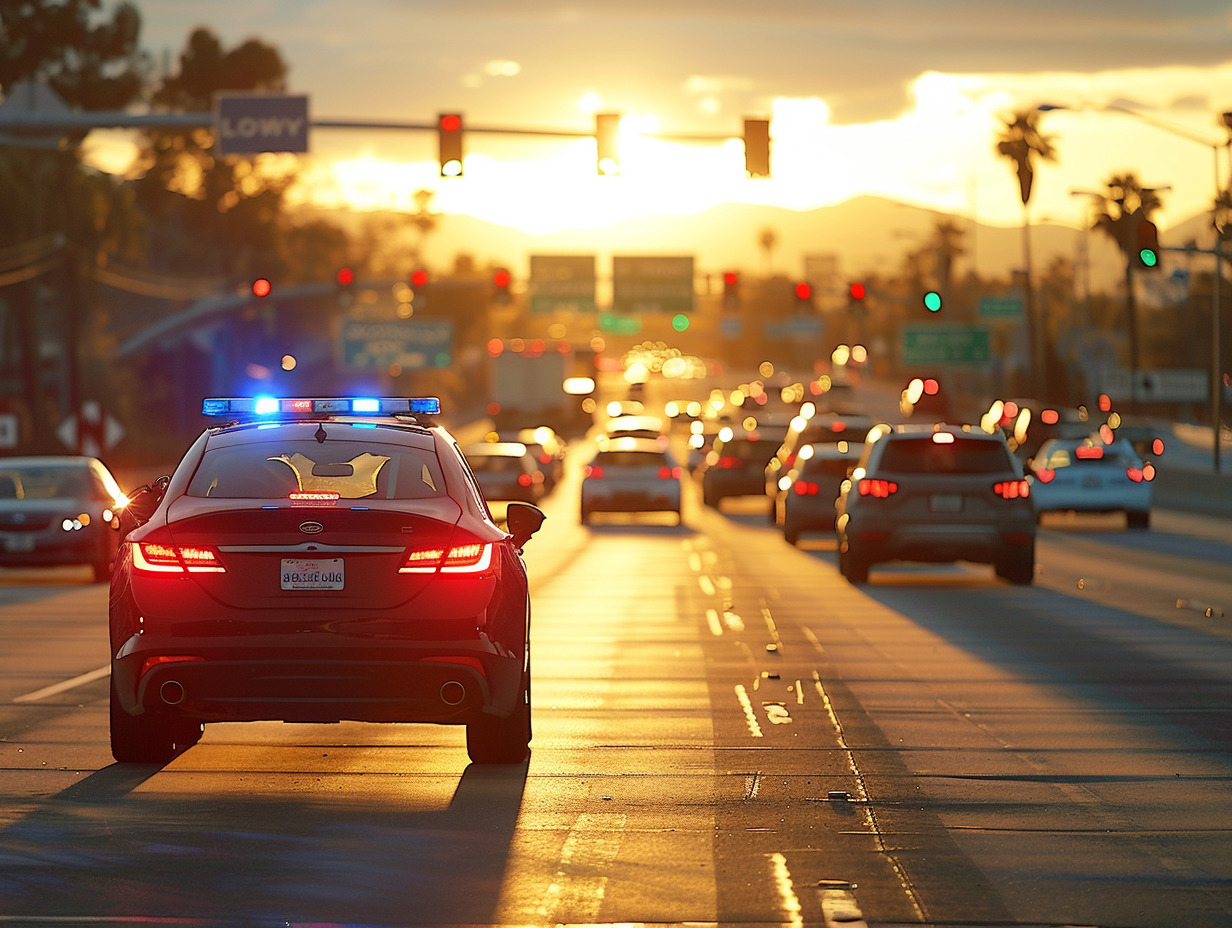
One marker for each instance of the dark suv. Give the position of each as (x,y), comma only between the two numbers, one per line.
(936,493)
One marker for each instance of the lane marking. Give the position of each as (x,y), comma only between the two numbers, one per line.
(57,688)
(579,886)
(787,891)
(749,715)
(772,628)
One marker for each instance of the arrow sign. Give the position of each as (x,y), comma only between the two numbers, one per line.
(91,432)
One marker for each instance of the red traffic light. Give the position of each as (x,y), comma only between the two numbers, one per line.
(449,139)
(419,278)
(804,291)
(261,287)
(502,279)
(730,278)
(451,122)
(857,291)
(345,277)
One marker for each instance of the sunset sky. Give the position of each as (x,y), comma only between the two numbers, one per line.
(899,99)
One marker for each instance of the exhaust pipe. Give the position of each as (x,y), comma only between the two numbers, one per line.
(452,693)
(172,692)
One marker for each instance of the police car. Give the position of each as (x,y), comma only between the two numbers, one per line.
(317,559)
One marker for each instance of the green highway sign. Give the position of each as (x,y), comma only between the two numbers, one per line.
(652,284)
(562,283)
(944,344)
(377,345)
(1001,307)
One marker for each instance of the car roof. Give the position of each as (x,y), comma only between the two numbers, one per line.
(632,443)
(508,449)
(635,423)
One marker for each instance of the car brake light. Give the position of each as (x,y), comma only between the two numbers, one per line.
(727,462)
(1012,489)
(313,497)
(1045,474)
(152,557)
(594,471)
(669,473)
(806,488)
(879,489)
(1148,471)
(525,480)
(1089,453)
(469,558)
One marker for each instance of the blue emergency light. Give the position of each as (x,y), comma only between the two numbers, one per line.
(258,407)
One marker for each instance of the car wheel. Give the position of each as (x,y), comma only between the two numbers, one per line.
(1138,519)
(148,738)
(1020,570)
(854,568)
(491,740)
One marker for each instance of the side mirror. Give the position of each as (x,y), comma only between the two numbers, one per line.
(523,520)
(142,503)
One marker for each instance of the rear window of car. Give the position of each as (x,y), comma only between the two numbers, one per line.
(629,459)
(353,470)
(962,456)
(1086,456)
(45,482)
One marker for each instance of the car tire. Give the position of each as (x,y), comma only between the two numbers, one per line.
(1019,570)
(492,740)
(854,568)
(1138,518)
(148,738)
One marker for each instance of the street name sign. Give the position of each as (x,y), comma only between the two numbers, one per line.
(250,124)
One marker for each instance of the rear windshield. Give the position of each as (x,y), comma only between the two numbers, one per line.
(351,469)
(1083,457)
(963,456)
(44,482)
(496,464)
(629,459)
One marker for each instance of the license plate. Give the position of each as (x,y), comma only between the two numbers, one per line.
(17,545)
(312,574)
(945,502)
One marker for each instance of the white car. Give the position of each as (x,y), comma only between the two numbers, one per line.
(631,475)
(1087,475)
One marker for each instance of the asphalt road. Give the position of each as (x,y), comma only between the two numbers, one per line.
(725,731)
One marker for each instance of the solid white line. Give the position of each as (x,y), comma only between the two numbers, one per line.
(57,688)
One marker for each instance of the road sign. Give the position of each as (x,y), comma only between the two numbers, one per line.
(1001,307)
(1162,385)
(374,345)
(90,431)
(944,344)
(652,285)
(562,283)
(249,124)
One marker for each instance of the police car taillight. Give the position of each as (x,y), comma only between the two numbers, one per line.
(154,557)
(258,407)
(467,558)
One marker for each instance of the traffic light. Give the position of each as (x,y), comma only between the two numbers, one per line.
(757,147)
(501,279)
(804,295)
(607,143)
(856,292)
(419,289)
(932,301)
(731,289)
(449,137)
(1146,255)
(261,287)
(344,286)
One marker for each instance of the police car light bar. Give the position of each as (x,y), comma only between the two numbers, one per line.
(255,407)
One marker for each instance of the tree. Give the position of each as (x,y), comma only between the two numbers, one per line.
(1021,142)
(215,215)
(1126,204)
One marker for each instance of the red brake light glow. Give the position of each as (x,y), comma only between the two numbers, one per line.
(594,471)
(878,489)
(313,497)
(805,488)
(1012,489)
(669,473)
(1045,474)
(152,557)
(1089,453)
(469,558)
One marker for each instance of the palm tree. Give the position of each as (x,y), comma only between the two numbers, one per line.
(1021,142)
(1126,204)
(768,239)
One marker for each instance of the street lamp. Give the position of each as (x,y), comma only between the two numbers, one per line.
(1216,299)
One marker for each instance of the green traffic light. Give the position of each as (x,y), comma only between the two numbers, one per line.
(680,322)
(1148,257)
(932,301)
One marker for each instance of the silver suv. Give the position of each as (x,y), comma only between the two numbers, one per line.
(936,493)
